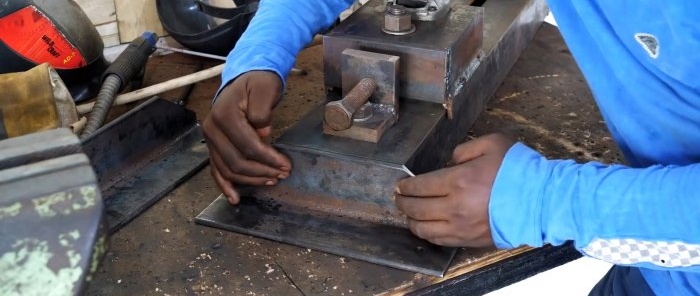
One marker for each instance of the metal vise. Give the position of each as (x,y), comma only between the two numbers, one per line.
(51,215)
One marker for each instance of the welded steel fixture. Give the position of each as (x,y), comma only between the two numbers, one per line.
(436,59)
(338,198)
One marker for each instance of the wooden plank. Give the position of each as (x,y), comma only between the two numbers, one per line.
(109,33)
(136,16)
(466,261)
(506,272)
(99,11)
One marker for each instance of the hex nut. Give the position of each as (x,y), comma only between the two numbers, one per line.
(397,23)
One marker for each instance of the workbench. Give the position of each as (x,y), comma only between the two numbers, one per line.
(544,102)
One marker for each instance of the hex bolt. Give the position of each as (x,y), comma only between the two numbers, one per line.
(397,20)
(338,114)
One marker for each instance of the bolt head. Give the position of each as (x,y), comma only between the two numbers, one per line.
(337,116)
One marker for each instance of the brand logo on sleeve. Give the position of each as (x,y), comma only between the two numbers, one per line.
(649,43)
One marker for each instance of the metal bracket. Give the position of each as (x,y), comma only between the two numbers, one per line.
(383,104)
(143,155)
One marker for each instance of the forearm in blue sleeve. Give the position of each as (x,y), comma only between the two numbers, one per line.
(277,33)
(634,216)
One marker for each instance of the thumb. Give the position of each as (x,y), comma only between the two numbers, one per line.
(264,91)
(478,147)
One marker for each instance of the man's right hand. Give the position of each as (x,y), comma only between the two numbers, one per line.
(234,129)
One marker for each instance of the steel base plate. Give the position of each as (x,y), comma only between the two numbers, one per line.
(374,242)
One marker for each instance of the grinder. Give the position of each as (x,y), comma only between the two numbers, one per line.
(57,32)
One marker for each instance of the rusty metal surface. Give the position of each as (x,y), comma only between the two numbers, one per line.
(351,179)
(371,242)
(433,58)
(51,216)
(350,174)
(382,68)
(370,129)
(142,155)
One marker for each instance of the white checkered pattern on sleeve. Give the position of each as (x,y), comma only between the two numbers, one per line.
(631,251)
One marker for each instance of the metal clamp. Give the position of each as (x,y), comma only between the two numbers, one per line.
(370,105)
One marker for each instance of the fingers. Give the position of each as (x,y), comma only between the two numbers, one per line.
(444,233)
(234,124)
(469,150)
(473,149)
(250,145)
(225,186)
(427,185)
(423,209)
(429,230)
(451,241)
(236,163)
(238,178)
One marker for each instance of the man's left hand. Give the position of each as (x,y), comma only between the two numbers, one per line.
(450,207)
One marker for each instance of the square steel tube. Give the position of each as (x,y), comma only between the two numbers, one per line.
(435,59)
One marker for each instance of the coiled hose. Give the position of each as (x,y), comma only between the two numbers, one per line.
(104,101)
(129,63)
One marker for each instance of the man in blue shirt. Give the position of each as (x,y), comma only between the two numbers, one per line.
(640,61)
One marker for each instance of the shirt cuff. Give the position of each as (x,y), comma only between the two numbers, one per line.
(515,207)
(256,58)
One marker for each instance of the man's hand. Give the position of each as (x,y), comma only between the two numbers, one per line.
(234,129)
(450,207)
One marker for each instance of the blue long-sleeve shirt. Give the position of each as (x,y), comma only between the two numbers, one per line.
(277,33)
(639,60)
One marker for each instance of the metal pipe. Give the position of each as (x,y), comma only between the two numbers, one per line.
(294,71)
(190,52)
